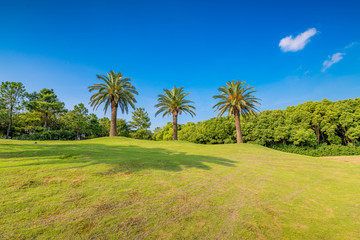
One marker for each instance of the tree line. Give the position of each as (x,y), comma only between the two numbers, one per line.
(42,115)
(309,124)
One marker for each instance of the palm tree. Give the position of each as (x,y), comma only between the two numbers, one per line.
(115,92)
(173,103)
(237,99)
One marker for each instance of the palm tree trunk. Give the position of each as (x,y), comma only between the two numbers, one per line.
(238,128)
(113,131)
(175,127)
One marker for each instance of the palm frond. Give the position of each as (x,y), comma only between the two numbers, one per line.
(173,101)
(236,96)
(113,88)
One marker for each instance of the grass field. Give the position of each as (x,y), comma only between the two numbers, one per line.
(119,188)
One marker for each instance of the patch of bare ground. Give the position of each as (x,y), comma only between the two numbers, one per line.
(348,159)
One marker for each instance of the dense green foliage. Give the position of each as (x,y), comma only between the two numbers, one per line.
(42,116)
(320,150)
(78,121)
(46,103)
(312,128)
(68,125)
(310,124)
(165,133)
(137,128)
(11,96)
(140,119)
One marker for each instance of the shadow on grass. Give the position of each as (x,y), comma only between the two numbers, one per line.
(129,158)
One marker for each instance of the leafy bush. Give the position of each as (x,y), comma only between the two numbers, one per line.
(166,133)
(321,150)
(122,128)
(212,131)
(49,135)
(141,134)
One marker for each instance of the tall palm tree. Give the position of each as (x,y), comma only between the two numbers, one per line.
(115,92)
(238,99)
(173,102)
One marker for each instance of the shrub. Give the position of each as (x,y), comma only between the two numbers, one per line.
(49,135)
(166,133)
(141,134)
(320,150)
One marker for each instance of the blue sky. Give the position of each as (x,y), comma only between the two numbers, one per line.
(196,44)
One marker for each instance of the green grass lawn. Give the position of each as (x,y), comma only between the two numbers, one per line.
(119,188)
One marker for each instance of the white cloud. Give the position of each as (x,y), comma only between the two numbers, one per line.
(333,59)
(290,44)
(350,45)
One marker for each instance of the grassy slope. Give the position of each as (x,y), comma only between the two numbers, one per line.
(124,188)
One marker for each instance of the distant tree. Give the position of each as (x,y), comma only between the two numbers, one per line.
(140,119)
(27,122)
(123,128)
(157,129)
(11,96)
(77,120)
(45,102)
(115,92)
(237,99)
(94,126)
(105,126)
(3,117)
(173,102)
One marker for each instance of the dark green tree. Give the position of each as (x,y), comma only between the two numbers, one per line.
(140,119)
(77,120)
(94,127)
(27,122)
(123,128)
(11,97)
(45,102)
(105,126)
(3,117)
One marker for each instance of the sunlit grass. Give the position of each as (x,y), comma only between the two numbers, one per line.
(123,188)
